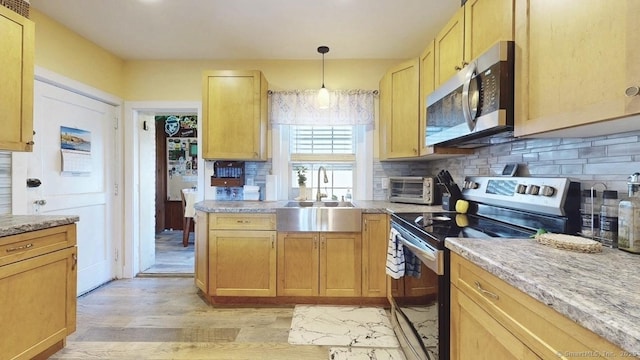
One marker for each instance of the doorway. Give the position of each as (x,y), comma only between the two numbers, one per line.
(142,159)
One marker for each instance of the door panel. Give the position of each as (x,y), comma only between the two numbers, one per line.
(88,195)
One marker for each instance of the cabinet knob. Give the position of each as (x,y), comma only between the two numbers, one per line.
(458,68)
(632,91)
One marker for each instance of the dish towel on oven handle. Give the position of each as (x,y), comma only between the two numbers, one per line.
(395,255)
(412,264)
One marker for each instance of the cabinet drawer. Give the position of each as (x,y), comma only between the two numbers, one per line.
(242,221)
(30,244)
(537,325)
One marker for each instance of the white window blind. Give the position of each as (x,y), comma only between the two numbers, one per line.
(322,140)
(5,183)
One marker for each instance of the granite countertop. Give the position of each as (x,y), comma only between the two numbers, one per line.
(17,224)
(599,291)
(367,206)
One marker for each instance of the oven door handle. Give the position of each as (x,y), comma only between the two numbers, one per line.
(431,259)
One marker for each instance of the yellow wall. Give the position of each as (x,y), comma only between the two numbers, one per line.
(66,53)
(182,80)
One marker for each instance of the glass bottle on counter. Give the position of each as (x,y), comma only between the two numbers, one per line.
(609,219)
(590,213)
(629,218)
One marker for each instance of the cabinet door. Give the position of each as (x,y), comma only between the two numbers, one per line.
(38,303)
(427,85)
(340,264)
(399,120)
(477,335)
(242,263)
(449,48)
(234,115)
(375,235)
(573,70)
(16,93)
(485,23)
(201,251)
(298,264)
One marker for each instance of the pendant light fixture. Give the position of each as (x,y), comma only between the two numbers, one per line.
(323,94)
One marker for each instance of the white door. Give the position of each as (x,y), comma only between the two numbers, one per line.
(90,193)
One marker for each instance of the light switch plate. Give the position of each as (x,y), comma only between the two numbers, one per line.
(384,183)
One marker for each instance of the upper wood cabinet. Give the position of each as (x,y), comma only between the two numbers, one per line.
(17,76)
(473,29)
(449,48)
(234,110)
(427,85)
(399,111)
(574,64)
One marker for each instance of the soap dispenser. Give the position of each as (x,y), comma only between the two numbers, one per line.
(629,218)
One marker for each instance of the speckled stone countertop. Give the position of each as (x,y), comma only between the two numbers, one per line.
(17,224)
(599,291)
(367,206)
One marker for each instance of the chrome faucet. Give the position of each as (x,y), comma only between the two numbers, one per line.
(319,195)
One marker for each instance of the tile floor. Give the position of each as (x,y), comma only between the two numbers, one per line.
(171,256)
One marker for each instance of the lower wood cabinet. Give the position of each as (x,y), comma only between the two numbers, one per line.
(241,255)
(319,264)
(38,284)
(490,319)
(375,237)
(242,262)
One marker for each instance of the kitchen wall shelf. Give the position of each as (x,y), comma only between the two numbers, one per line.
(228,173)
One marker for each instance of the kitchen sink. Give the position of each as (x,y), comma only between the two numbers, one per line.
(305,204)
(329,216)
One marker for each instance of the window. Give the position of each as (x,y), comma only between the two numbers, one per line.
(331,147)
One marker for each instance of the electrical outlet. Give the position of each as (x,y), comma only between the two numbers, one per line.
(385,183)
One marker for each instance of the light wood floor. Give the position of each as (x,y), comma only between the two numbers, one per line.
(171,256)
(164,318)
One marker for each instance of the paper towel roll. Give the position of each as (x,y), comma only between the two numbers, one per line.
(271,188)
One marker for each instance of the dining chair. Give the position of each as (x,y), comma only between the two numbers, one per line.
(186,222)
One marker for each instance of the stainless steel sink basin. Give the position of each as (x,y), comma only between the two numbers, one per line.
(305,204)
(329,216)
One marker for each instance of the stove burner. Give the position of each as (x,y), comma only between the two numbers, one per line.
(421,221)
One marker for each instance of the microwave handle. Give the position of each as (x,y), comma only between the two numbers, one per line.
(466,106)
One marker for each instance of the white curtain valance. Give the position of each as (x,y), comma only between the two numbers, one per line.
(300,107)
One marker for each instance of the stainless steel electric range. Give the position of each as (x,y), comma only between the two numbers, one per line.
(499,207)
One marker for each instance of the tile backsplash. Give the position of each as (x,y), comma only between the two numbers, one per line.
(606,160)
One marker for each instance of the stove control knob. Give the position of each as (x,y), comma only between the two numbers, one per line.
(470,185)
(533,190)
(547,191)
(520,189)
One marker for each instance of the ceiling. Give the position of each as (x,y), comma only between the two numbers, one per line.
(254,29)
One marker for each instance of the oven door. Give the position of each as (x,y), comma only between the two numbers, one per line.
(419,300)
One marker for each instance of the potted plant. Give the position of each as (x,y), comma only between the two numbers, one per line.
(302,182)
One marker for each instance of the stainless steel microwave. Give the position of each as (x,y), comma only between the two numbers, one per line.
(475,107)
(414,190)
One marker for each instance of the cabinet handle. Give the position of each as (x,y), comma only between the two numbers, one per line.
(243,221)
(315,242)
(458,68)
(75,262)
(486,292)
(30,142)
(19,248)
(365,224)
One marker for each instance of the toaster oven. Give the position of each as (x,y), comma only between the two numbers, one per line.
(414,190)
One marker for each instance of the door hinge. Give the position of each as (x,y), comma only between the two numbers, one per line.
(115,123)
(115,189)
(115,257)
